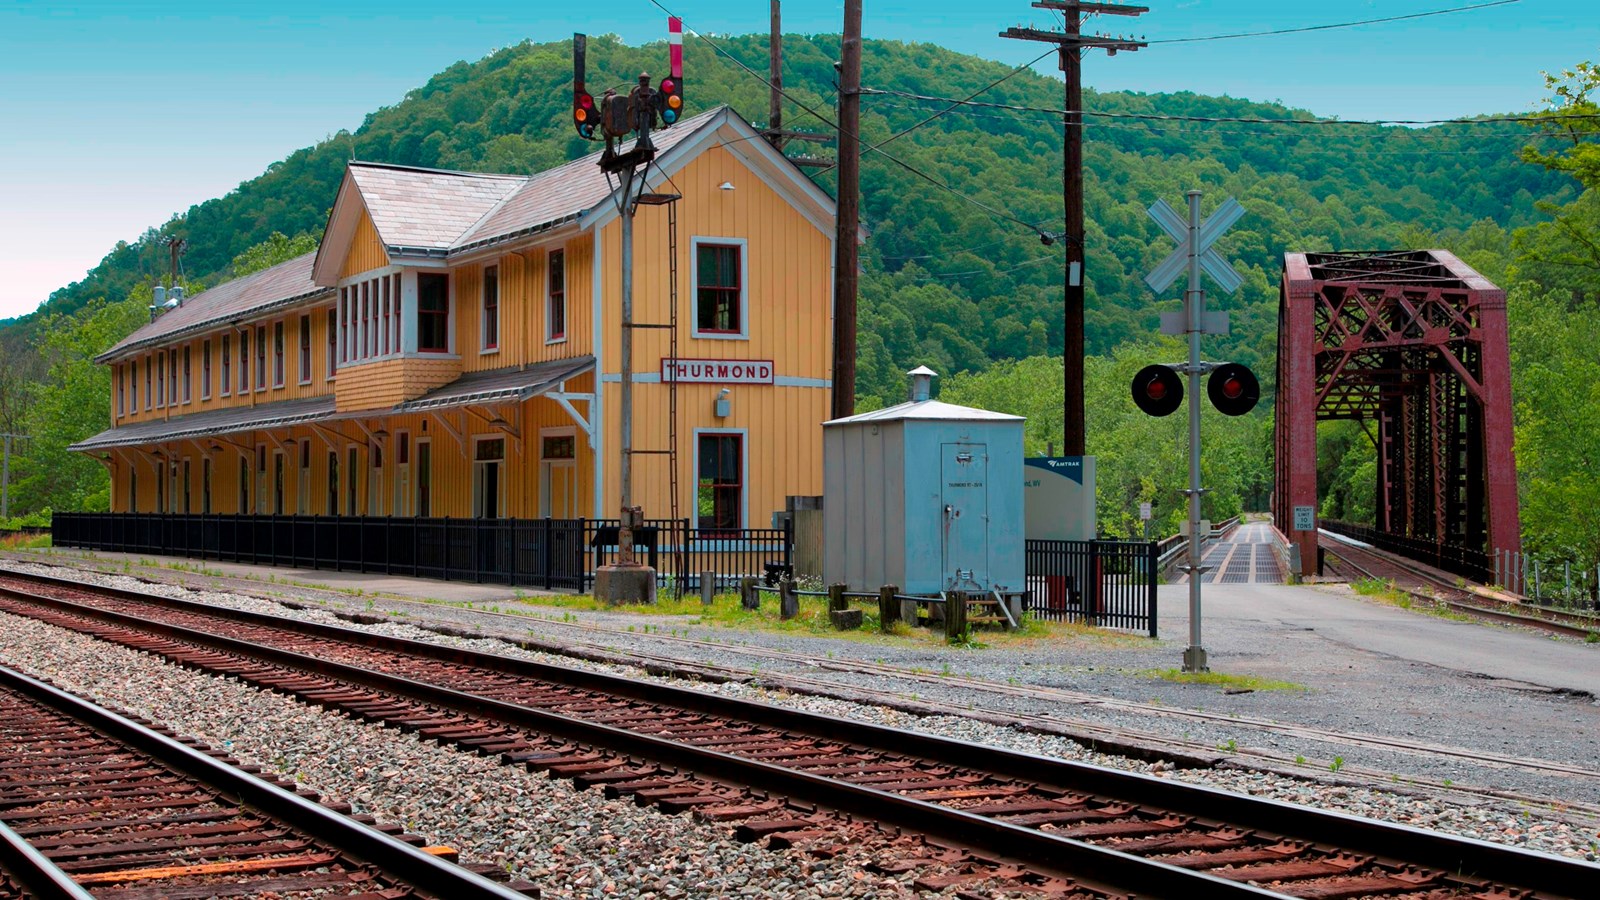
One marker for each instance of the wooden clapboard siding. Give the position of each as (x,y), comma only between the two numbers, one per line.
(789,300)
(366,251)
(386,382)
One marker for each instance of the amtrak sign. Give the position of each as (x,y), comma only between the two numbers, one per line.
(718,371)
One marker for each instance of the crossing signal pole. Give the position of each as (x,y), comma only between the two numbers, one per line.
(1070,43)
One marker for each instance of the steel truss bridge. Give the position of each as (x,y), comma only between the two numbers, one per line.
(1412,345)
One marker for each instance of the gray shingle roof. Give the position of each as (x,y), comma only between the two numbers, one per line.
(428,209)
(253,294)
(212,422)
(512,385)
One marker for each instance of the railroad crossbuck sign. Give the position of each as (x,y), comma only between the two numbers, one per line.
(1211,262)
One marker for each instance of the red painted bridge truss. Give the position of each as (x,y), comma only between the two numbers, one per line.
(1411,344)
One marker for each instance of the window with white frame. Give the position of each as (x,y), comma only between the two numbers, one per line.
(555,304)
(261,357)
(305,349)
(433,312)
(225,383)
(205,370)
(719,481)
(188,390)
(720,278)
(333,342)
(488,478)
(489,321)
(122,389)
(278,364)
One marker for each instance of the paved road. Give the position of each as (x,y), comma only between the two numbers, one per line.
(1313,629)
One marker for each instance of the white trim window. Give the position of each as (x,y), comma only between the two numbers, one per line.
(720,272)
(305,348)
(558,472)
(225,384)
(721,468)
(205,370)
(489,311)
(488,477)
(555,297)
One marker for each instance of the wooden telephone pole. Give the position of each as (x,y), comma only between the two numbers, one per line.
(1070,43)
(845,260)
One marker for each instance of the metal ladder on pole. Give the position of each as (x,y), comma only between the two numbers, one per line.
(679,540)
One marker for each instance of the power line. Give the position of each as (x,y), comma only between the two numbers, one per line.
(997,213)
(1420,15)
(1246,120)
(983,90)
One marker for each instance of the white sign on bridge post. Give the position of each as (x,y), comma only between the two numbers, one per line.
(1195,254)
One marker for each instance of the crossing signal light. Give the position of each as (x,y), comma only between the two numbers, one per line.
(585,114)
(1157,390)
(1233,389)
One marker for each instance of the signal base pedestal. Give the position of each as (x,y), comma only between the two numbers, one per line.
(626,585)
(1194,660)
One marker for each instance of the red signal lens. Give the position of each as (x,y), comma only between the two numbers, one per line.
(668,85)
(587,101)
(1232,388)
(1155,390)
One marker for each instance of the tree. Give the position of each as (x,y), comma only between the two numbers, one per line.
(275,249)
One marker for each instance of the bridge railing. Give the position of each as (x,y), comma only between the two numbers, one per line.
(1474,565)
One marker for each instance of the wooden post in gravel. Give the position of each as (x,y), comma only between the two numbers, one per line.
(844,618)
(748,597)
(788,603)
(955,616)
(888,607)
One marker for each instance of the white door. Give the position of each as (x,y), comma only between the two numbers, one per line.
(558,473)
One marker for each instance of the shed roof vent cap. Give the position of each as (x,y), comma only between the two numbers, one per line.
(922,383)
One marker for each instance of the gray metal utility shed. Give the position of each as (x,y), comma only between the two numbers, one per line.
(925,495)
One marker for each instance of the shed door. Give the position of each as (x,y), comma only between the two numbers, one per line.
(965,495)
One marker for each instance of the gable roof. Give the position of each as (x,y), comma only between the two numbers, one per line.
(439,214)
(242,298)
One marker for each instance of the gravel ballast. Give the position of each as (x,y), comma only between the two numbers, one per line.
(1504,822)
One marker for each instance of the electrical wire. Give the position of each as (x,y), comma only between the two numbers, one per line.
(1247,120)
(1278,31)
(985,89)
(997,213)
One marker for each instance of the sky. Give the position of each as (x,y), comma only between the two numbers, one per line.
(115,116)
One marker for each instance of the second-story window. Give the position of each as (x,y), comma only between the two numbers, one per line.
(277,354)
(226,383)
(555,310)
(122,389)
(188,376)
(489,327)
(261,357)
(394,286)
(244,362)
(148,395)
(133,397)
(719,290)
(333,342)
(433,312)
(383,288)
(172,371)
(205,370)
(305,349)
(161,381)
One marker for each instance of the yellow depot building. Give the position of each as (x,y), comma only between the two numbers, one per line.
(452,350)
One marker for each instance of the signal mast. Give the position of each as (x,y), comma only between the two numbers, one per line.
(615,118)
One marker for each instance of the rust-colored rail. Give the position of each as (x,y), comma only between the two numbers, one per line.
(1104,829)
(94,801)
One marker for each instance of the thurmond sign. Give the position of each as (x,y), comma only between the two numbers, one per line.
(721,371)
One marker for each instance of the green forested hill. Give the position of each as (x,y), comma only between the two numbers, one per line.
(946,283)
(968,292)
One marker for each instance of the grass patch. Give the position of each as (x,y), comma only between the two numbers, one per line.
(1221,679)
(1390,593)
(20,541)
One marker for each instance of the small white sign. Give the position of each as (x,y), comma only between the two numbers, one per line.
(1212,321)
(1305,518)
(1144,511)
(720,371)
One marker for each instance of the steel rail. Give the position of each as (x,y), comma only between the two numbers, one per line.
(401,860)
(1111,868)
(34,872)
(1546,623)
(1407,844)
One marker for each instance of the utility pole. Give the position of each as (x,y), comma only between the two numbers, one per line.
(845,260)
(775,78)
(1070,43)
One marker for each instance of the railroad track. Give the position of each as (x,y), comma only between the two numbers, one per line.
(973,815)
(97,804)
(1431,589)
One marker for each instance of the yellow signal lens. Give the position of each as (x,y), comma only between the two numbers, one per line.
(674,101)
(580,115)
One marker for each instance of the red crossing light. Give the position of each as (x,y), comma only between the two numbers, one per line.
(1233,389)
(1157,390)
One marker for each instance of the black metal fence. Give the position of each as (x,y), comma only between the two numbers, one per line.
(544,553)
(1464,561)
(1103,583)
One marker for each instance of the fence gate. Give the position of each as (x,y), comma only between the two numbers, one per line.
(1110,584)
